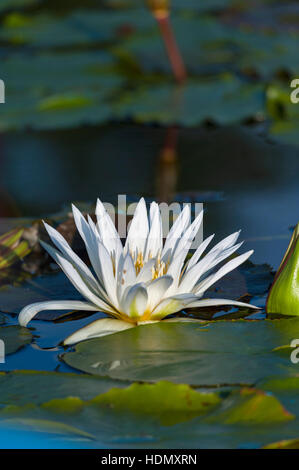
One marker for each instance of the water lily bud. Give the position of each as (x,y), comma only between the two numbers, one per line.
(283,296)
(159,7)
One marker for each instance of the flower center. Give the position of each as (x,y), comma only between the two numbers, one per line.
(159,269)
(139,262)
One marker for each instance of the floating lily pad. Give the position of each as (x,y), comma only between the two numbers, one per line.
(171,403)
(46,426)
(249,406)
(58,90)
(216,100)
(207,45)
(79,28)
(194,5)
(34,387)
(269,53)
(190,353)
(285,444)
(9,4)
(122,418)
(14,337)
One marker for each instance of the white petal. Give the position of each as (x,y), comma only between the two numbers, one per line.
(199,251)
(180,252)
(192,277)
(225,254)
(175,233)
(80,285)
(101,327)
(28,312)
(174,270)
(109,235)
(172,305)
(90,239)
(216,302)
(109,278)
(155,236)
(226,242)
(139,229)
(126,276)
(156,290)
(187,238)
(71,256)
(228,267)
(134,301)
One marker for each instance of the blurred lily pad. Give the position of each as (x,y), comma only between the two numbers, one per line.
(14,338)
(59,90)
(249,406)
(217,100)
(285,444)
(193,5)
(207,45)
(284,113)
(9,4)
(122,418)
(169,402)
(35,387)
(44,425)
(79,28)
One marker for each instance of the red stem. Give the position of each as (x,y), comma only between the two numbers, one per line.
(173,52)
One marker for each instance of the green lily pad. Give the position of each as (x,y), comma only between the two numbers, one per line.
(249,406)
(269,53)
(46,426)
(190,353)
(35,387)
(207,46)
(285,388)
(193,5)
(9,4)
(58,90)
(79,28)
(216,100)
(286,444)
(285,385)
(140,416)
(14,337)
(171,403)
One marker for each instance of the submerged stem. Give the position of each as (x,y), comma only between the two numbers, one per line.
(172,49)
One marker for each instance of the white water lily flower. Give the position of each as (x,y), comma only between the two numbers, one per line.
(143,281)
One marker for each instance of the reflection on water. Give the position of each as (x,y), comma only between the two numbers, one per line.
(42,171)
